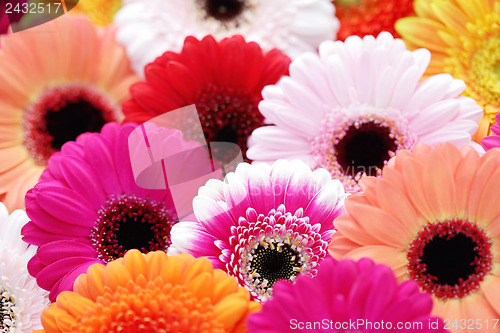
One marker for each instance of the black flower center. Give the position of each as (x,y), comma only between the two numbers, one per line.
(128,222)
(275,263)
(61,114)
(364,148)
(74,118)
(224,10)
(7,316)
(450,259)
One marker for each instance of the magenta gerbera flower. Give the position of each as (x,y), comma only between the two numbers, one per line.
(88,209)
(263,223)
(493,140)
(347,296)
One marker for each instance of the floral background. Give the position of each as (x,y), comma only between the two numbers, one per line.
(367,194)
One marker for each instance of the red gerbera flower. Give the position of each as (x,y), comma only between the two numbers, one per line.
(370,17)
(223,79)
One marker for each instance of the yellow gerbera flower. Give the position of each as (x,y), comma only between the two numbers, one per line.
(151,292)
(100,12)
(464,38)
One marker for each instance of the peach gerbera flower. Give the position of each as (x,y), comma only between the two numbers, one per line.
(433,217)
(151,292)
(464,39)
(59,80)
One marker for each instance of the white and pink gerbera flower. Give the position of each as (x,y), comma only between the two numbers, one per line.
(356,104)
(264,223)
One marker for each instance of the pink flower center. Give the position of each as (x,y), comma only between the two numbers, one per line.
(228,115)
(275,247)
(129,222)
(62,113)
(450,259)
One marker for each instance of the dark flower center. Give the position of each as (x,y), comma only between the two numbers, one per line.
(71,120)
(7,317)
(365,148)
(228,115)
(450,259)
(224,10)
(274,263)
(61,114)
(128,222)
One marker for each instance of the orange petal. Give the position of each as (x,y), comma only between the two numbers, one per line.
(230,310)
(135,263)
(116,275)
(92,283)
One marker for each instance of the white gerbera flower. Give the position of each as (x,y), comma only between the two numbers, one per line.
(356,104)
(149,28)
(21,299)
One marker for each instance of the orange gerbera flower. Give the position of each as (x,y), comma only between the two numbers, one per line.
(59,79)
(433,217)
(143,293)
(464,39)
(370,17)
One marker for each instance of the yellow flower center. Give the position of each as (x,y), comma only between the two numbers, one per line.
(150,306)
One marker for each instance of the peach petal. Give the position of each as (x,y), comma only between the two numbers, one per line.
(491,290)
(349,228)
(394,258)
(463,178)
(412,171)
(339,246)
(440,185)
(379,224)
(397,204)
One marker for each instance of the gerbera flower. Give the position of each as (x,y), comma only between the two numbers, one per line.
(433,217)
(263,223)
(49,98)
(347,296)
(370,17)
(152,292)
(100,12)
(148,29)
(464,39)
(88,209)
(223,79)
(492,141)
(357,104)
(21,299)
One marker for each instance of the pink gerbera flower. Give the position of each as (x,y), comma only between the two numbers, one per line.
(347,296)
(88,209)
(263,223)
(493,140)
(356,104)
